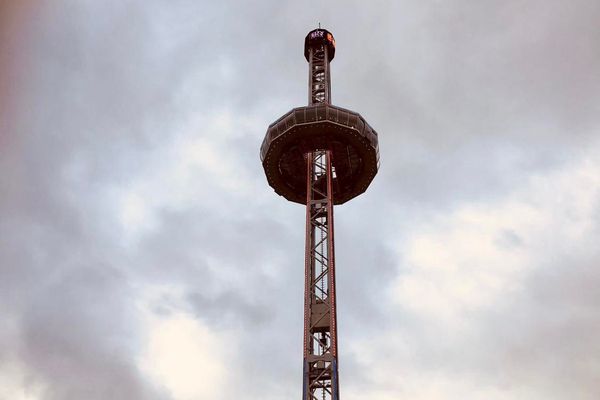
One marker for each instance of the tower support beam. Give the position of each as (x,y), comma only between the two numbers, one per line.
(320,323)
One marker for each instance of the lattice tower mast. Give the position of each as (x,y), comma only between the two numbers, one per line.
(335,153)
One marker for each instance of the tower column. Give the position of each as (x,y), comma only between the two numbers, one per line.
(320,155)
(320,325)
(319,77)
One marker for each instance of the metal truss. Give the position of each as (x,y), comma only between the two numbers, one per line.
(320,325)
(319,78)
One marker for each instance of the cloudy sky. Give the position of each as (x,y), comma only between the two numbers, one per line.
(143,255)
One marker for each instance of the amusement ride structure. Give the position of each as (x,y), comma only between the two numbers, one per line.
(320,155)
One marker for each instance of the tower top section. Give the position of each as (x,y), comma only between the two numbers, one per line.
(317,38)
(351,142)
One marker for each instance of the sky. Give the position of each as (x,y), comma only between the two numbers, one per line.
(143,255)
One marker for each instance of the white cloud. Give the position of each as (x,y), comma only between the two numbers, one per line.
(182,354)
(467,260)
(134,213)
(460,269)
(16,385)
(186,172)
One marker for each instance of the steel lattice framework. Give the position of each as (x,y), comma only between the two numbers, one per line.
(320,326)
(320,155)
(319,77)
(320,330)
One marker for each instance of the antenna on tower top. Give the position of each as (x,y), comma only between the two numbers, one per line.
(319,25)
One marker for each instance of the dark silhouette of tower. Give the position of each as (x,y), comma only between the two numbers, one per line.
(320,155)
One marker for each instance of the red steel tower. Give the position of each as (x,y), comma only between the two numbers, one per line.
(320,155)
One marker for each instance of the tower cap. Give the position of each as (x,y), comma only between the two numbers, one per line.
(318,37)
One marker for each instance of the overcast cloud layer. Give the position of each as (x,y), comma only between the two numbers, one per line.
(143,255)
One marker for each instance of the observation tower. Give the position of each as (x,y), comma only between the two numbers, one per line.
(320,155)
